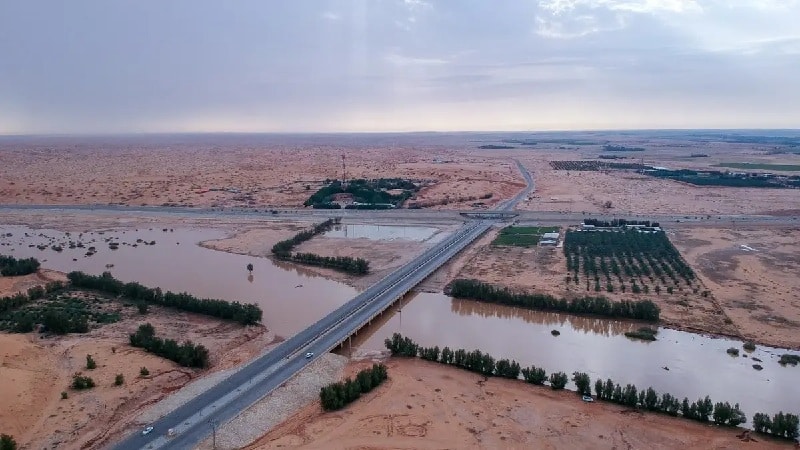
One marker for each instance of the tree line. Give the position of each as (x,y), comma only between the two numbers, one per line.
(246,314)
(283,251)
(703,410)
(186,354)
(11,267)
(10,302)
(599,306)
(340,394)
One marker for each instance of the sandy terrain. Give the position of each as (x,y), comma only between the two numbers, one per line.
(755,285)
(632,193)
(246,174)
(34,371)
(428,406)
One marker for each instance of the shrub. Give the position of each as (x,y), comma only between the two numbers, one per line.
(582,382)
(186,354)
(80,383)
(534,375)
(144,372)
(119,379)
(749,346)
(338,395)
(7,442)
(64,395)
(90,363)
(787,358)
(733,351)
(643,333)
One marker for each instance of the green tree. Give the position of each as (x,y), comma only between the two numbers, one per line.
(558,380)
(250,267)
(7,442)
(582,382)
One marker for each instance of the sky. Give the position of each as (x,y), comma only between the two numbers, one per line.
(397,65)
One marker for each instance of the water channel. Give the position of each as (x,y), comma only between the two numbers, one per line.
(681,363)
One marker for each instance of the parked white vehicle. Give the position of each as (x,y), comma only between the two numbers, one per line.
(587,398)
(147,430)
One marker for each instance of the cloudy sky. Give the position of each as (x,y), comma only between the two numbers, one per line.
(397,65)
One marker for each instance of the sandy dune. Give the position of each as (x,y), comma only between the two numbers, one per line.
(428,406)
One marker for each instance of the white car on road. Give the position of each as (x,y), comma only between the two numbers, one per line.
(309,355)
(147,430)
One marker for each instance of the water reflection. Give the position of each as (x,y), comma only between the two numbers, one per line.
(697,365)
(593,325)
(385,232)
(291,296)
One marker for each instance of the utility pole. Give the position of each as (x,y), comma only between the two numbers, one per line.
(213,424)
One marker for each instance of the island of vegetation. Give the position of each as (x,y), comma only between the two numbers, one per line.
(363,194)
(704,410)
(283,251)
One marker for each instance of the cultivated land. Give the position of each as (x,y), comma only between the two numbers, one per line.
(426,406)
(751,291)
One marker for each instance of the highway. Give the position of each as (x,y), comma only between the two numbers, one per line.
(193,421)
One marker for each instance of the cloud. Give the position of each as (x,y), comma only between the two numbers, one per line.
(197,65)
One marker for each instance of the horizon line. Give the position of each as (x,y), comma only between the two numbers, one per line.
(322,133)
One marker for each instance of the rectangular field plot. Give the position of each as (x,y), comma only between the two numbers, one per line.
(522,236)
(626,260)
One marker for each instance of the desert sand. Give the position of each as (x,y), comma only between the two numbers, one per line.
(754,275)
(428,406)
(35,370)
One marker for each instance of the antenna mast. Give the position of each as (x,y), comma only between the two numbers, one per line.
(344,171)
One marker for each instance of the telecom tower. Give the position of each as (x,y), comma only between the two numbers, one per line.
(344,172)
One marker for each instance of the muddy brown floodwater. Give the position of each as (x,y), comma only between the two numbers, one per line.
(292,298)
(681,363)
(697,365)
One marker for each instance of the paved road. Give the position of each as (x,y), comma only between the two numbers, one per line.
(193,421)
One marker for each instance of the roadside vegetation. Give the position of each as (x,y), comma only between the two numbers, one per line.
(643,333)
(283,251)
(186,354)
(703,410)
(521,236)
(644,310)
(365,194)
(12,267)
(340,394)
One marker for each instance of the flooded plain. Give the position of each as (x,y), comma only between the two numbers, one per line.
(386,232)
(681,363)
(292,297)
